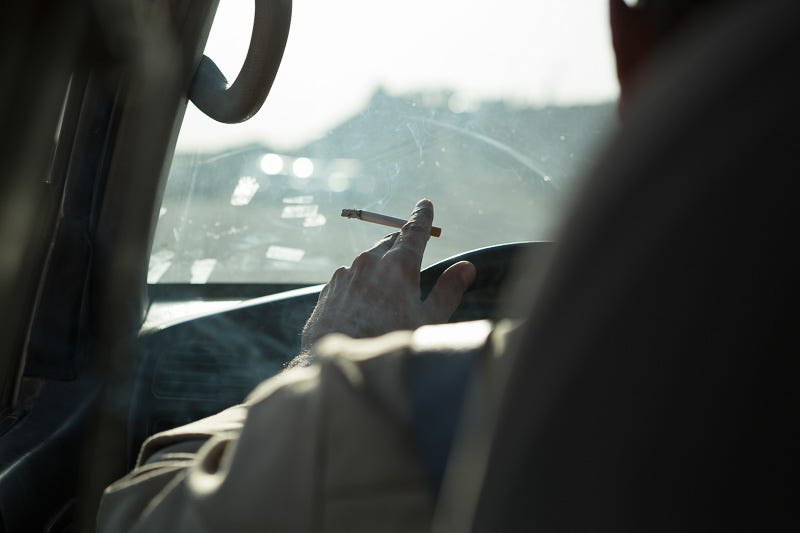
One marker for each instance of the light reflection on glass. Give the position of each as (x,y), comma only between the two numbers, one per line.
(338,182)
(315,221)
(283,253)
(244,191)
(160,262)
(202,269)
(305,199)
(458,104)
(272,164)
(299,211)
(303,167)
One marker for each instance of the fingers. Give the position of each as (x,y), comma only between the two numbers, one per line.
(415,233)
(338,279)
(446,294)
(368,258)
(384,245)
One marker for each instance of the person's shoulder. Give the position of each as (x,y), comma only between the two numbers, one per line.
(379,366)
(441,338)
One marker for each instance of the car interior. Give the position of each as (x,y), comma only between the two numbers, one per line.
(159,258)
(98,354)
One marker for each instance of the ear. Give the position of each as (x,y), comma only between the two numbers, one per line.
(634,34)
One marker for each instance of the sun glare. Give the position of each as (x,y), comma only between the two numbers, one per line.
(340,53)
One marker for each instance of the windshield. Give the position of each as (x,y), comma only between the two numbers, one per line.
(490,110)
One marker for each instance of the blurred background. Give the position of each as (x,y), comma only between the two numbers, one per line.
(375,106)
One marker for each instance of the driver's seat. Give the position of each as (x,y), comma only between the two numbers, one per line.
(650,391)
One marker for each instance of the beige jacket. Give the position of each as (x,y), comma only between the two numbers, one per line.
(322,448)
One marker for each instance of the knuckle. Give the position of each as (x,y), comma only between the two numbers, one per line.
(414,227)
(388,239)
(363,259)
(397,257)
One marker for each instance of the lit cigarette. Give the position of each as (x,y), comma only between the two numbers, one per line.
(375,218)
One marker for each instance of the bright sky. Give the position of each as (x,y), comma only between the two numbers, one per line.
(340,51)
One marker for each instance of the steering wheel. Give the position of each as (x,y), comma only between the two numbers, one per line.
(493,264)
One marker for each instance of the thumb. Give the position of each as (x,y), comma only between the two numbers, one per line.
(446,294)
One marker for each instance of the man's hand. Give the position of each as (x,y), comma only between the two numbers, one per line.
(380,291)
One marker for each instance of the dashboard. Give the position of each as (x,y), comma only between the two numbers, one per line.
(199,366)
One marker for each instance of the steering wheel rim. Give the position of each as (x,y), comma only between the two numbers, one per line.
(493,265)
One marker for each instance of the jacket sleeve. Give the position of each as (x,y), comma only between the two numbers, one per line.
(330,447)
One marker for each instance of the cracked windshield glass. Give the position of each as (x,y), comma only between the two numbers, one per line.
(491,110)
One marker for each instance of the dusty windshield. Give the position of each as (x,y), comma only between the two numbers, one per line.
(490,110)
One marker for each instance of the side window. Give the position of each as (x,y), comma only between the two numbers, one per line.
(374,107)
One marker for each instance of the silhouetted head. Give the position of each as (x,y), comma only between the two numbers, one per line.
(640,27)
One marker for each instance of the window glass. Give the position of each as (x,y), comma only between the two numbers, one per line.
(491,110)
